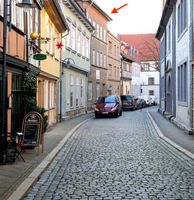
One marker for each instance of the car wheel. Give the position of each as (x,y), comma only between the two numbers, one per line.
(96,116)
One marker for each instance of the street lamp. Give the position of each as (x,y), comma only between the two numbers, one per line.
(3,135)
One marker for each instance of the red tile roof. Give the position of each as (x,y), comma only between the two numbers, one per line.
(146,44)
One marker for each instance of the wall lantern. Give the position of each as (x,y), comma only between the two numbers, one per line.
(34,36)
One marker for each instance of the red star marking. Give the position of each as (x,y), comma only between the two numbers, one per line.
(59,45)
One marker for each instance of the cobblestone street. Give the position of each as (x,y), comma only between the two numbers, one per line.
(117,158)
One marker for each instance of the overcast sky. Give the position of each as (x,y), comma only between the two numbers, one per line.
(139,16)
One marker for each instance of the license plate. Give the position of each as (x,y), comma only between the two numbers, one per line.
(104,112)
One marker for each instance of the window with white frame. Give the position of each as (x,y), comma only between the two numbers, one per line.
(1,7)
(51,95)
(83,41)
(101,33)
(94,25)
(97,30)
(110,70)
(104,38)
(101,60)
(93,57)
(98,74)
(182,16)
(73,37)
(151,92)
(104,60)
(182,82)
(57,51)
(169,37)
(81,92)
(89,90)
(87,47)
(97,58)
(77,92)
(46,94)
(71,90)
(79,41)
(110,46)
(97,90)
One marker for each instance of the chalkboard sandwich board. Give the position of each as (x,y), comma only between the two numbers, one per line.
(32,129)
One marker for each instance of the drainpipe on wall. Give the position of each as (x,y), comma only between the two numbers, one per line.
(191,32)
(174,83)
(164,71)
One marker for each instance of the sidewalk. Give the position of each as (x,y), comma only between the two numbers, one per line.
(12,175)
(172,134)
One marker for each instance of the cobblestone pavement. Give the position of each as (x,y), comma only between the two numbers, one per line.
(117,158)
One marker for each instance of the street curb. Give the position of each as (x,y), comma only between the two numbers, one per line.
(19,193)
(161,135)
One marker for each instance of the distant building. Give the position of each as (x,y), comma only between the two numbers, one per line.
(97,78)
(114,64)
(144,48)
(76,63)
(126,70)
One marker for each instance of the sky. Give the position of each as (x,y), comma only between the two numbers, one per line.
(139,16)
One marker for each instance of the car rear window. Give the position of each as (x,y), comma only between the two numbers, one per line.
(109,99)
(126,97)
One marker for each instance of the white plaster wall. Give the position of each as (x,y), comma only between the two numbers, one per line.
(136,79)
(182,55)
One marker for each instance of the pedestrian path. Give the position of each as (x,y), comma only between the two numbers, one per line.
(173,134)
(12,175)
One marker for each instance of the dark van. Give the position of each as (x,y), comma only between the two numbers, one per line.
(128,102)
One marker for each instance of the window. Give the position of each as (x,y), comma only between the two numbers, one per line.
(104,60)
(169,38)
(98,74)
(101,37)
(97,58)
(151,92)
(151,81)
(97,30)
(77,92)
(97,90)
(46,94)
(87,48)
(79,41)
(115,50)
(182,82)
(89,91)
(73,37)
(110,46)
(110,70)
(51,95)
(93,57)
(182,16)
(101,60)
(71,91)
(104,35)
(81,92)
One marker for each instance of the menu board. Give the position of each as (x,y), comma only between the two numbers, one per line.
(32,129)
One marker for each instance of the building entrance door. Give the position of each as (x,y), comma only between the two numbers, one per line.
(169,95)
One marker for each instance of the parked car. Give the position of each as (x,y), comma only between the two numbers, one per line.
(128,102)
(154,100)
(108,105)
(147,100)
(140,103)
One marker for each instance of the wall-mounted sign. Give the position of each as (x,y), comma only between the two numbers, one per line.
(39,56)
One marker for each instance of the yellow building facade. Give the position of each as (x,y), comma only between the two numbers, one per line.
(53,25)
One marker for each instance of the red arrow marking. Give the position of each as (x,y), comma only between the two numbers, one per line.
(115,10)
